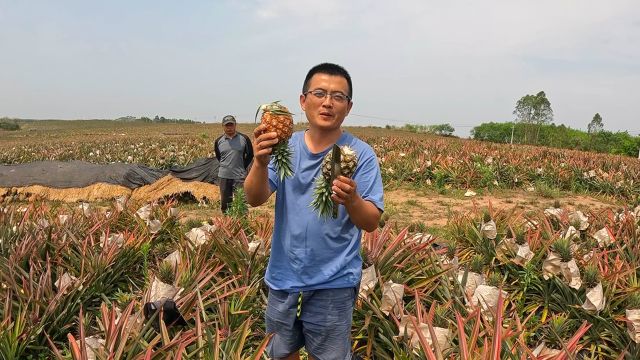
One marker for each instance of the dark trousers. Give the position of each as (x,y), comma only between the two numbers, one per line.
(227,186)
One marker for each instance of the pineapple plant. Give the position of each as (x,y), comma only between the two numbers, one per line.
(520,238)
(322,202)
(277,118)
(558,330)
(486,217)
(509,234)
(633,300)
(591,276)
(477,264)
(166,272)
(562,247)
(442,316)
(495,278)
(451,249)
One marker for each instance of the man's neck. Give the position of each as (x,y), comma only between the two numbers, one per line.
(232,135)
(318,140)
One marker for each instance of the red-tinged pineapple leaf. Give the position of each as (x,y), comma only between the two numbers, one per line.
(262,347)
(462,338)
(496,342)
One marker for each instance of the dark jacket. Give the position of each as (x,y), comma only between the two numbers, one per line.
(247,156)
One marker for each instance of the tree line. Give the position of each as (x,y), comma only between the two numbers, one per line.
(534,125)
(439,129)
(157,119)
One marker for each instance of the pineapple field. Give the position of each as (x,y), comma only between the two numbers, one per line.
(556,279)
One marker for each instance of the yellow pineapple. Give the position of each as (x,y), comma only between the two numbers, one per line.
(278,119)
(322,191)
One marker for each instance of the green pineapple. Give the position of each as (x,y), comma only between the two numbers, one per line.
(322,202)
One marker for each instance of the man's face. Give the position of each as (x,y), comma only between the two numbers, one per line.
(326,113)
(229,129)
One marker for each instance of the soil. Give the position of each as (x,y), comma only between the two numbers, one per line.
(403,206)
(434,209)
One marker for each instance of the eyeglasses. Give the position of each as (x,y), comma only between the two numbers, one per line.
(320,94)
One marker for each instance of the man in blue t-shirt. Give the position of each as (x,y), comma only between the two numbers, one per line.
(315,265)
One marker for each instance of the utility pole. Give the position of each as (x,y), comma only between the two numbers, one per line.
(513,126)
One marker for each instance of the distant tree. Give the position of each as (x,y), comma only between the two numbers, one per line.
(596,125)
(442,129)
(494,132)
(533,111)
(8,124)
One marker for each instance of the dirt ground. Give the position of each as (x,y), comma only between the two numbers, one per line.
(403,206)
(433,209)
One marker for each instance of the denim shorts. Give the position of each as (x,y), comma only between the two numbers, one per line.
(319,320)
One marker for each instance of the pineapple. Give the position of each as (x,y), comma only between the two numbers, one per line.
(278,119)
(322,202)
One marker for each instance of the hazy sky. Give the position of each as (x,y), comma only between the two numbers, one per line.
(426,62)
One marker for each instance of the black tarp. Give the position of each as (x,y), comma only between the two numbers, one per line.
(76,174)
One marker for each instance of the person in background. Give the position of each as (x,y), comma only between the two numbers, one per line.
(315,265)
(234,152)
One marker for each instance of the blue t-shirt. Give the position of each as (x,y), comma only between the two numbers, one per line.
(309,252)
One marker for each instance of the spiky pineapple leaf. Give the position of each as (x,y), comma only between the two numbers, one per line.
(274,108)
(322,202)
(282,154)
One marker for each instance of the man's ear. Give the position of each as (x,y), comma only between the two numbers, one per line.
(349,108)
(303,99)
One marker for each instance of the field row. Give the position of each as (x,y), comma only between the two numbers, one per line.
(508,283)
(405,159)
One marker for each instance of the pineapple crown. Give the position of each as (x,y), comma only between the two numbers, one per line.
(273,107)
(591,276)
(562,247)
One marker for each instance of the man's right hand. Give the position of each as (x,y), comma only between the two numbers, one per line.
(262,144)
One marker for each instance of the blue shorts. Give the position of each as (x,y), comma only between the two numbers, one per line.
(322,324)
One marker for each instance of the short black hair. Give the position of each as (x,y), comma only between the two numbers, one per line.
(329,69)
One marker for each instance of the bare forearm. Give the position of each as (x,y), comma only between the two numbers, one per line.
(364,214)
(256,185)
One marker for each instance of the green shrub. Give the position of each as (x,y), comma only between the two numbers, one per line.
(9,125)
